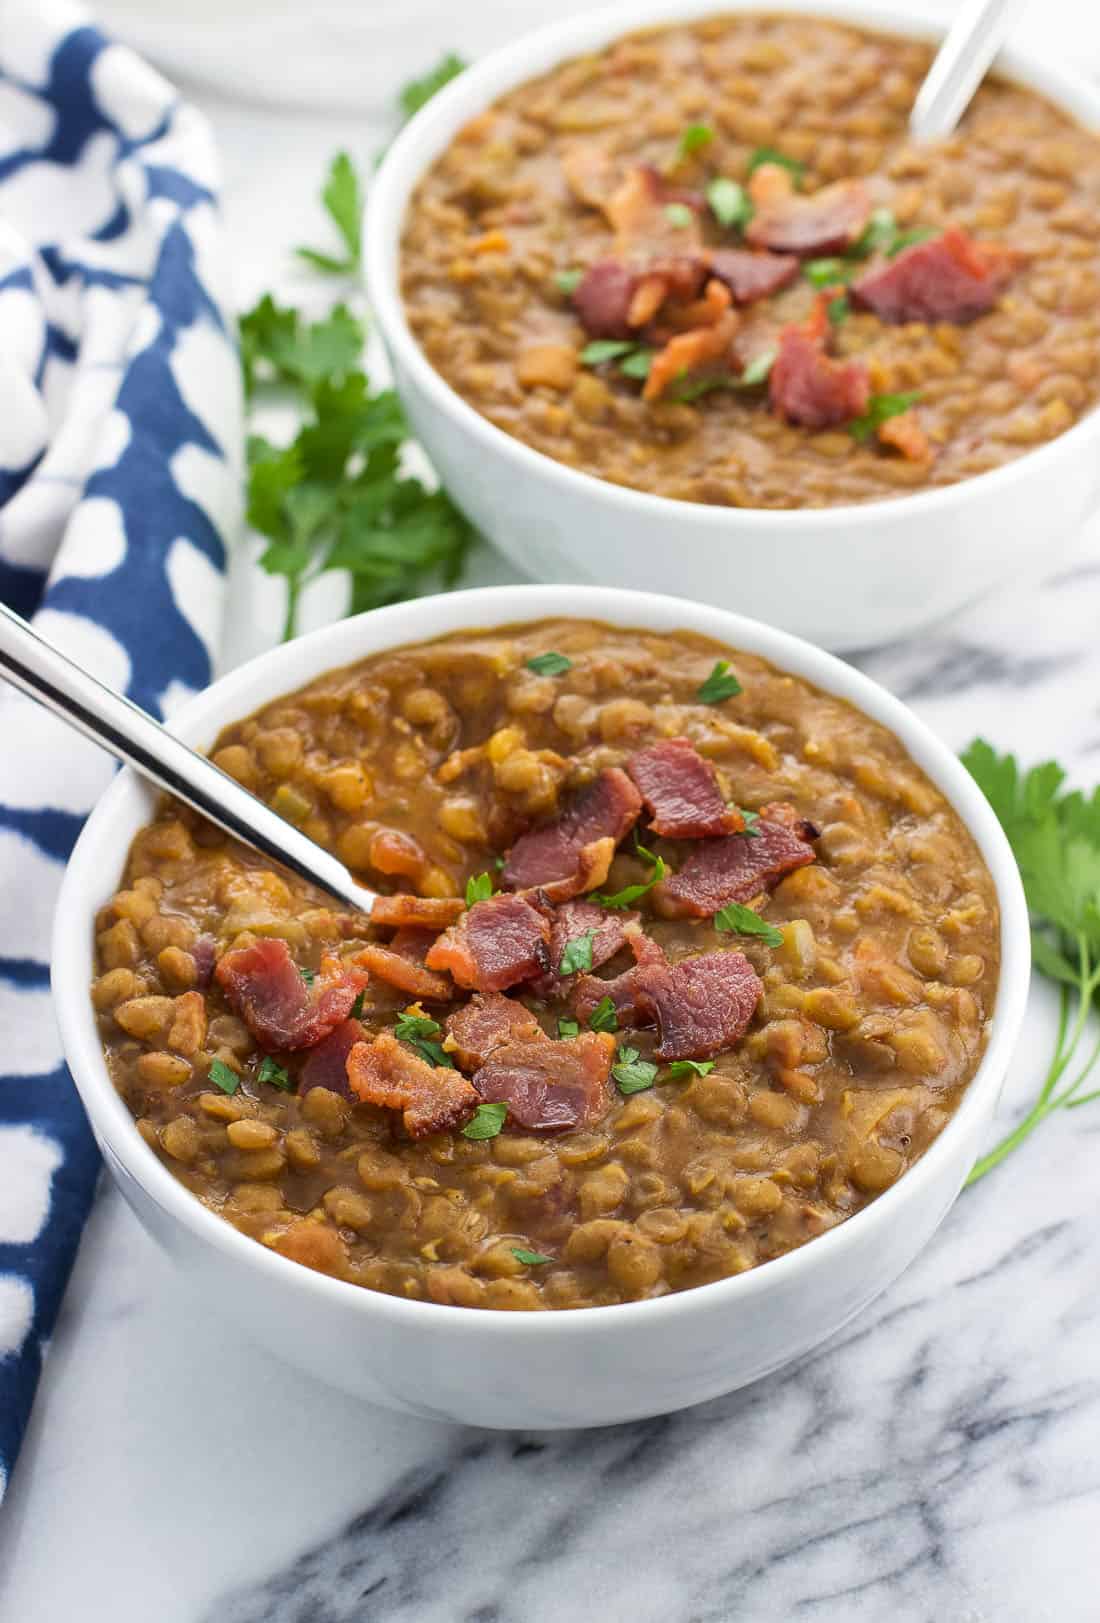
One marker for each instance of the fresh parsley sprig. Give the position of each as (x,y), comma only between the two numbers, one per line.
(1055,838)
(420,1032)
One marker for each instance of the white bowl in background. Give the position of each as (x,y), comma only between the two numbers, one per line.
(846,577)
(582,1367)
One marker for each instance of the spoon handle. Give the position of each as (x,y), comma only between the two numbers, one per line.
(128,733)
(960,64)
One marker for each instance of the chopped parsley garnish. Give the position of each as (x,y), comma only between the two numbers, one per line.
(568,1028)
(828,272)
(752,821)
(729,202)
(568,281)
(222,1077)
(881,235)
(549,664)
(1055,838)
(880,408)
(678,214)
(721,684)
(278,1076)
(419,91)
(758,368)
(773,155)
(838,309)
(740,920)
(694,139)
(633,1074)
(631,893)
(756,372)
(357,1007)
(499,864)
(530,1259)
(419,1030)
(606,349)
(688,1067)
(604,1016)
(479,887)
(577,954)
(638,364)
(487,1120)
(907,239)
(308,975)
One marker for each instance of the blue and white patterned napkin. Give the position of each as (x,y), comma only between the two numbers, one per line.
(119,482)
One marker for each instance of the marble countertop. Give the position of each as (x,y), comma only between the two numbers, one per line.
(939,1459)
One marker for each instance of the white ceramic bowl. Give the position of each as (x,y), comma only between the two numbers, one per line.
(586,1367)
(846,577)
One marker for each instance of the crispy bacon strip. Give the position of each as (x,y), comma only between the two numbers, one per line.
(551,1085)
(486,1023)
(681,791)
(401,964)
(496,944)
(824,222)
(265,987)
(688,352)
(431,1098)
(428,912)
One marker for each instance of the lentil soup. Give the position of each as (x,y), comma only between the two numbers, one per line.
(707,262)
(680,962)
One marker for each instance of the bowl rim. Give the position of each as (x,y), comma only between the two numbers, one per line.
(430,131)
(97,860)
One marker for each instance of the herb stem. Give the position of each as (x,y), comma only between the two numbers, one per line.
(293,592)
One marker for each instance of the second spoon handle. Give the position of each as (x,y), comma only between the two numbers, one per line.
(131,735)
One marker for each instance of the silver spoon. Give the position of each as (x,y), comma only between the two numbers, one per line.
(960,64)
(131,735)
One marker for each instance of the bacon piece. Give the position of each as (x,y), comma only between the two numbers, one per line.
(948,278)
(739,867)
(326,1063)
(638,212)
(593,866)
(751,276)
(265,987)
(807,386)
(824,222)
(612,927)
(688,352)
(486,1024)
(551,1085)
(605,809)
(590,174)
(906,435)
(429,912)
(702,1005)
(681,791)
(590,991)
(401,964)
(603,298)
(431,1098)
(496,944)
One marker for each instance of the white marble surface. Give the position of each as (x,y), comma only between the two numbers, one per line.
(938,1460)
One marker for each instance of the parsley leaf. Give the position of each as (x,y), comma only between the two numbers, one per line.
(880,408)
(577,954)
(549,664)
(773,155)
(530,1259)
(487,1120)
(606,349)
(568,1028)
(631,893)
(638,364)
(278,1076)
(419,91)
(729,202)
(222,1077)
(721,684)
(632,1074)
(343,201)
(419,1030)
(568,281)
(308,975)
(752,822)
(688,1067)
(604,1016)
(838,309)
(739,920)
(906,239)
(678,214)
(694,139)
(356,1012)
(828,272)
(1055,837)
(478,889)
(758,368)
